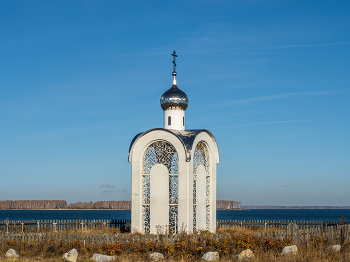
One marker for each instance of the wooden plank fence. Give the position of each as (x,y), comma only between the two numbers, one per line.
(124,225)
(8,226)
(278,224)
(340,234)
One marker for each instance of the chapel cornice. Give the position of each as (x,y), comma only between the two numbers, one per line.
(186,137)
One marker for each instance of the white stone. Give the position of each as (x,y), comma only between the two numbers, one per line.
(11,253)
(246,255)
(102,258)
(177,119)
(290,250)
(185,177)
(333,248)
(71,256)
(292,228)
(211,256)
(156,256)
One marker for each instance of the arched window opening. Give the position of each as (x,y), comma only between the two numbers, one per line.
(169,120)
(201,157)
(160,152)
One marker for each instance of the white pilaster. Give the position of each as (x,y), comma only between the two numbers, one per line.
(159,199)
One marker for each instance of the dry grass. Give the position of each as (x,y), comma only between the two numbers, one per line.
(304,255)
(310,254)
(186,251)
(93,231)
(236,230)
(105,230)
(223,230)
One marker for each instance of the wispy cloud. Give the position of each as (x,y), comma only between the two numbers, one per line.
(273,122)
(307,45)
(131,54)
(264,123)
(123,190)
(108,191)
(239,48)
(66,131)
(271,97)
(266,47)
(106,186)
(286,187)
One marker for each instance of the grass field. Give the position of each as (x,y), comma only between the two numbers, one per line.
(187,250)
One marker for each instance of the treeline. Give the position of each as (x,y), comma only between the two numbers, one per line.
(101,205)
(296,207)
(33,204)
(228,204)
(62,204)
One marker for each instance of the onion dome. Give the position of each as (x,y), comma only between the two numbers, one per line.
(174,98)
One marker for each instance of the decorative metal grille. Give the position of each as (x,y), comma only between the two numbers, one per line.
(146,214)
(201,157)
(173,212)
(160,152)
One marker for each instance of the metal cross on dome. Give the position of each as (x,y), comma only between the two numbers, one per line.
(174,55)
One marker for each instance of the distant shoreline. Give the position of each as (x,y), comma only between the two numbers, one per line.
(62,209)
(294,207)
(239,209)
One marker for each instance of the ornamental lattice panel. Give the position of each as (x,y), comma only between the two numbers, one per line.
(201,157)
(160,152)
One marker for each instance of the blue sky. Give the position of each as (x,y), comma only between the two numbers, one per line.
(270,80)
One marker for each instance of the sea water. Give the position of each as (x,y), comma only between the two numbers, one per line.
(254,214)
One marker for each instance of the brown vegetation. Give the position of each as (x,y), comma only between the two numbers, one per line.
(187,249)
(101,205)
(33,204)
(62,204)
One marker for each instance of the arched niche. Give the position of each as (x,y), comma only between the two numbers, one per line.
(204,152)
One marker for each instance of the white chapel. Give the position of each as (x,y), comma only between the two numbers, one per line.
(173,170)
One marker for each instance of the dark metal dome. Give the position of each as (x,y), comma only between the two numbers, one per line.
(174,98)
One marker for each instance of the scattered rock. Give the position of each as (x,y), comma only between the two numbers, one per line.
(156,256)
(71,256)
(102,258)
(334,248)
(211,256)
(290,250)
(246,255)
(292,228)
(11,253)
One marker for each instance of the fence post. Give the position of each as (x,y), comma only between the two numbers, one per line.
(7,226)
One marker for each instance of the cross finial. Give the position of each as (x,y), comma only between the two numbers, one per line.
(174,55)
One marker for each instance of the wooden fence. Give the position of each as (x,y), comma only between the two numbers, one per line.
(8,226)
(306,229)
(279,224)
(340,234)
